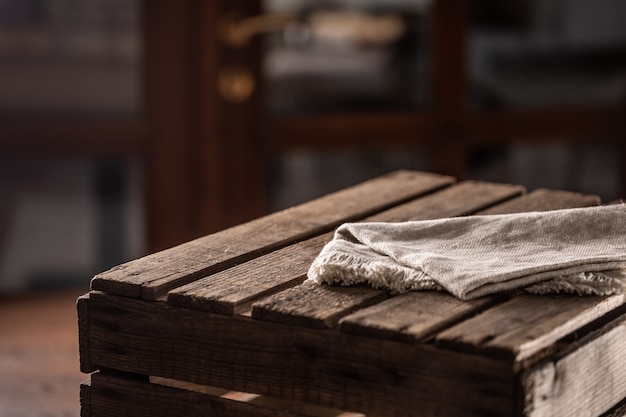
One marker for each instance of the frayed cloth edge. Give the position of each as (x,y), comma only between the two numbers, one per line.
(585,283)
(342,269)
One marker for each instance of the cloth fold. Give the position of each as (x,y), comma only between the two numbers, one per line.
(580,251)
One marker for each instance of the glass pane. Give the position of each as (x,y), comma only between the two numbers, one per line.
(348,56)
(297,177)
(69,58)
(591,168)
(548,53)
(64,219)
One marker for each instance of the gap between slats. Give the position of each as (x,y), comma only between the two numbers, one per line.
(296,407)
(235,289)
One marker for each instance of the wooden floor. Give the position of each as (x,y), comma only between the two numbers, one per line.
(39,369)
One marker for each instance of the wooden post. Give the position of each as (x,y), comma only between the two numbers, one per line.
(450,31)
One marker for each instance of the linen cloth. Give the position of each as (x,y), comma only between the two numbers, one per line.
(580,250)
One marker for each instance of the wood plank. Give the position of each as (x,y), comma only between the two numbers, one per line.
(418,315)
(152,276)
(528,324)
(543,200)
(587,381)
(85,398)
(294,407)
(315,305)
(116,396)
(561,124)
(233,290)
(413,316)
(83,330)
(294,363)
(92,138)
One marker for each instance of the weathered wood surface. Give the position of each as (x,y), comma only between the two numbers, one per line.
(315,305)
(588,380)
(527,324)
(421,353)
(150,277)
(544,200)
(107,395)
(294,407)
(295,363)
(233,290)
(413,316)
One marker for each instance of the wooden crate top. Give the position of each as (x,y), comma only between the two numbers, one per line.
(247,284)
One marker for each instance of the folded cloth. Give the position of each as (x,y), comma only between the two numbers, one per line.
(579,251)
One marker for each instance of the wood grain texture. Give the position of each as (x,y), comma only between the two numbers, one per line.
(233,290)
(413,316)
(83,330)
(315,305)
(527,324)
(294,407)
(152,276)
(294,363)
(588,381)
(543,200)
(117,396)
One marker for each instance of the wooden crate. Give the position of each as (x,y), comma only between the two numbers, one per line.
(232,310)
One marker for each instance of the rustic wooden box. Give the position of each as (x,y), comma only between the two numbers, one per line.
(230,310)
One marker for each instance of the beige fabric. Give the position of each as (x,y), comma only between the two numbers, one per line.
(574,251)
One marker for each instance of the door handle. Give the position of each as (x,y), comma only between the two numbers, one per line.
(236,31)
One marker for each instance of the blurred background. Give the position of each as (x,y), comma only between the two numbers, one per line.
(131,126)
(128,126)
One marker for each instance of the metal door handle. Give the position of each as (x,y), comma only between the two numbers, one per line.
(237,31)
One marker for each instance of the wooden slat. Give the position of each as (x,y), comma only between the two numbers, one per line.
(85,398)
(115,396)
(233,290)
(544,200)
(527,324)
(294,363)
(314,305)
(415,316)
(152,276)
(295,407)
(83,331)
(587,381)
